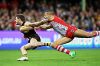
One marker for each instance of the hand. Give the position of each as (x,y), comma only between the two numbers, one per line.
(44,20)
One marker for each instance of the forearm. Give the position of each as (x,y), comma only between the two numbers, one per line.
(49,27)
(45,26)
(36,24)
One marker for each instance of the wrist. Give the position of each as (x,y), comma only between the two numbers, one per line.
(44,20)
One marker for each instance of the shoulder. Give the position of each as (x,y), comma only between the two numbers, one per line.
(27,23)
(21,27)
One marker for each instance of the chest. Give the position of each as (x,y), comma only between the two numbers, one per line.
(56,25)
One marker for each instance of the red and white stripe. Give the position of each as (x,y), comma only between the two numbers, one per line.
(98,33)
(58,47)
(62,49)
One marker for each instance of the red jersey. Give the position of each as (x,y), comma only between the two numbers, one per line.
(62,27)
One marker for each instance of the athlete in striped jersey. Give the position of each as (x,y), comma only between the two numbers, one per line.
(67,31)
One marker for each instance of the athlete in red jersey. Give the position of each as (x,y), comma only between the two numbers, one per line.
(66,30)
(63,28)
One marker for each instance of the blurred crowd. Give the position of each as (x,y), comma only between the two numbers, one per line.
(70,11)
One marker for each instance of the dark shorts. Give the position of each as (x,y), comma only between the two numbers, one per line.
(35,37)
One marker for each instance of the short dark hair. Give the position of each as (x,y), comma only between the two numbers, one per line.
(49,12)
(21,16)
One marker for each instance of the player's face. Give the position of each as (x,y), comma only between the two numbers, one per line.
(18,21)
(45,15)
(48,15)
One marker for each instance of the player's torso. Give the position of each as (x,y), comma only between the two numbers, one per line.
(29,33)
(60,27)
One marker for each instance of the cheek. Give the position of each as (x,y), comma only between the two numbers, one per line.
(17,20)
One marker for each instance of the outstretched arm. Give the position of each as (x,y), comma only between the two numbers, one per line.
(25,28)
(36,24)
(45,26)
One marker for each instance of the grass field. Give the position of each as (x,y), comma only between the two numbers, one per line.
(86,57)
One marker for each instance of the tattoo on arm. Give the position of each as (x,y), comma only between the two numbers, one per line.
(36,24)
(45,26)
